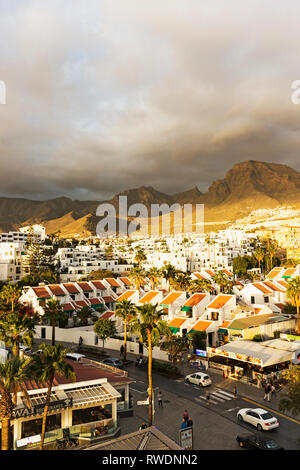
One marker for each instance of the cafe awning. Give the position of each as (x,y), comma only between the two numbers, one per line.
(90,395)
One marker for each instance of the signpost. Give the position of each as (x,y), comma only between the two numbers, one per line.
(186,438)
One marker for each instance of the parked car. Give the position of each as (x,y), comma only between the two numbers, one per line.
(253,442)
(114,362)
(74,356)
(261,419)
(199,378)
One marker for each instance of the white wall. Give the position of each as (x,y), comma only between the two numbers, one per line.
(71,335)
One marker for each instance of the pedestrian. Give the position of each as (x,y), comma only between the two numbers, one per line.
(266,392)
(159,397)
(183,424)
(143,426)
(122,350)
(207,398)
(235,391)
(273,390)
(190,423)
(269,392)
(80,340)
(185,415)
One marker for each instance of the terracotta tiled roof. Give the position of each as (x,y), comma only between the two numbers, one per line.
(201,325)
(68,307)
(148,297)
(126,295)
(95,301)
(195,299)
(113,282)
(282,283)
(98,285)
(108,299)
(262,288)
(220,301)
(274,272)
(171,298)
(199,276)
(107,315)
(228,273)
(71,288)
(210,272)
(126,281)
(82,303)
(85,286)
(177,322)
(56,289)
(272,286)
(41,293)
(289,272)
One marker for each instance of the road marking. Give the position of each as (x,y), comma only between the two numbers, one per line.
(204,398)
(219,394)
(271,410)
(225,393)
(231,409)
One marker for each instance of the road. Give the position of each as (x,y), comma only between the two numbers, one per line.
(223,407)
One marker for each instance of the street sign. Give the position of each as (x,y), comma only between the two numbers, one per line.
(186,438)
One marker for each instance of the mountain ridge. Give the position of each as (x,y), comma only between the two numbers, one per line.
(247,186)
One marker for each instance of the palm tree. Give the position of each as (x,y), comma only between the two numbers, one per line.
(16,328)
(12,375)
(200,285)
(9,295)
(169,273)
(125,310)
(293,293)
(137,276)
(150,328)
(154,275)
(221,279)
(43,367)
(181,281)
(140,257)
(259,255)
(84,314)
(53,313)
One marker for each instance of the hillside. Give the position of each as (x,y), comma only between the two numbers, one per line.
(246,186)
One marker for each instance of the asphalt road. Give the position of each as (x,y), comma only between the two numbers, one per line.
(222,404)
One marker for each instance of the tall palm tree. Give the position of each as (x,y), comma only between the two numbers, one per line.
(169,273)
(259,254)
(154,275)
(12,375)
(43,367)
(137,276)
(149,326)
(125,310)
(293,293)
(53,312)
(140,257)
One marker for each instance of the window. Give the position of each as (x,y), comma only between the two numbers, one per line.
(34,426)
(266,299)
(252,299)
(89,415)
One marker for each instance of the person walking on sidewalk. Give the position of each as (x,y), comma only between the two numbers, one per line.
(159,397)
(185,415)
(273,390)
(235,391)
(207,398)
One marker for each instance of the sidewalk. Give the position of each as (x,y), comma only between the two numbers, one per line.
(244,390)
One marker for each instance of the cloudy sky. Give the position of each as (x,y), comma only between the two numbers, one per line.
(107,95)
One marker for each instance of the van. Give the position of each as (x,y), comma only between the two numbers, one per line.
(74,356)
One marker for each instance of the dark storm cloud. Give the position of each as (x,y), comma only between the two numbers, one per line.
(104,96)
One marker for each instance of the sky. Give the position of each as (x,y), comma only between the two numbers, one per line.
(103,96)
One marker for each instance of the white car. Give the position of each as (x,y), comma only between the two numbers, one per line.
(198,378)
(258,417)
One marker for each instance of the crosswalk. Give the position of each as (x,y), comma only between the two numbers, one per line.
(216,397)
